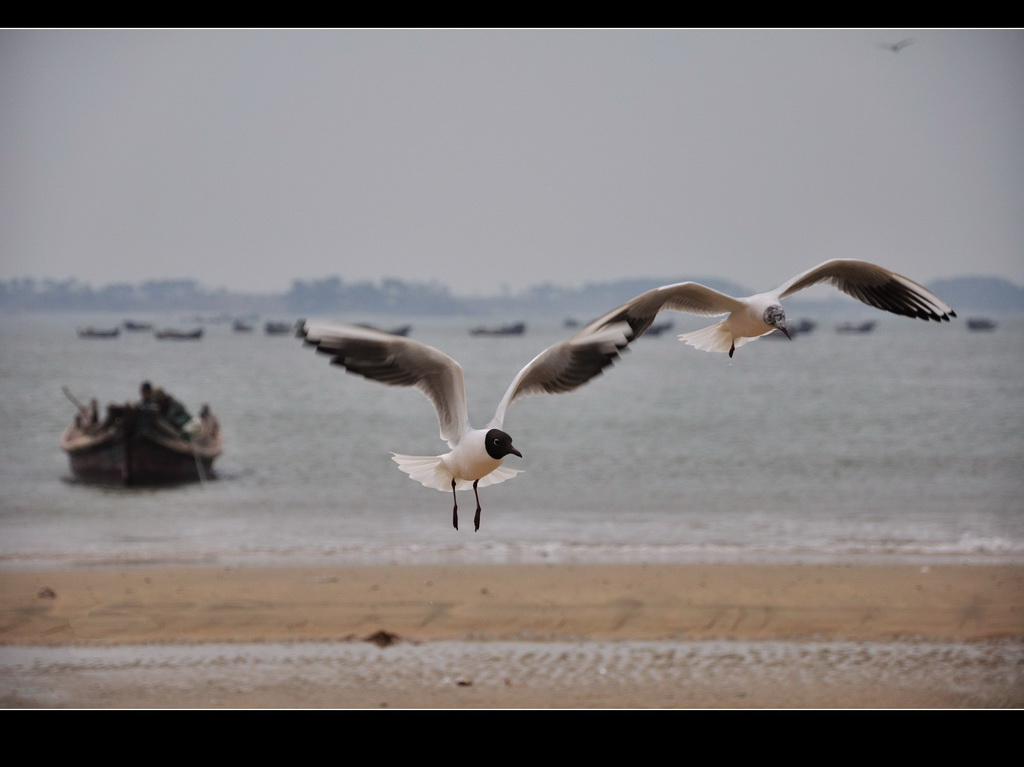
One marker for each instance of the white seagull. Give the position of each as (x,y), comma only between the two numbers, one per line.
(752,317)
(476,455)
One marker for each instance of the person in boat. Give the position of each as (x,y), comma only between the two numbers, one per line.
(146,394)
(87,419)
(208,422)
(170,409)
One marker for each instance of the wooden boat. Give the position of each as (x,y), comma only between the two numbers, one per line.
(802,327)
(658,328)
(980,323)
(278,328)
(515,329)
(400,330)
(856,327)
(98,333)
(179,335)
(134,445)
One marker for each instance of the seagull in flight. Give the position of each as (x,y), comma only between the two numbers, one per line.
(752,317)
(476,456)
(897,47)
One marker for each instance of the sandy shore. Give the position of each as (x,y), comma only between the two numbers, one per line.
(534,636)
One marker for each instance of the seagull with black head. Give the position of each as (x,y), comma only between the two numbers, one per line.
(476,456)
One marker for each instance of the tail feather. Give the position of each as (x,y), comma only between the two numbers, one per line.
(715,338)
(430,471)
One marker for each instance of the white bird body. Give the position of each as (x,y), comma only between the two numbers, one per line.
(469,462)
(476,455)
(744,323)
(754,316)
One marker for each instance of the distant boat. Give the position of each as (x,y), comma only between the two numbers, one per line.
(795,329)
(980,323)
(179,335)
(515,329)
(400,330)
(241,326)
(132,325)
(98,333)
(278,328)
(856,327)
(659,327)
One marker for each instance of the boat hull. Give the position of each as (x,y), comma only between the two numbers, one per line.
(134,448)
(516,329)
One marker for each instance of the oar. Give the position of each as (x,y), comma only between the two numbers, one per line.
(199,465)
(82,408)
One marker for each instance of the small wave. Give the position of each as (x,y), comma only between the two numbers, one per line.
(968,550)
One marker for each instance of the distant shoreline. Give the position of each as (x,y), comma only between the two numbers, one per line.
(969,293)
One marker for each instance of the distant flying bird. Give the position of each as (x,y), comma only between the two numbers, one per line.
(476,455)
(897,47)
(752,317)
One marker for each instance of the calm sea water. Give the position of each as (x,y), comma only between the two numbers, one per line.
(902,445)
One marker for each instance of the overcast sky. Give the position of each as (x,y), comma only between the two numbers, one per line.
(491,160)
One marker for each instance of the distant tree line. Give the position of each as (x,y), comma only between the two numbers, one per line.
(392,296)
(73,295)
(334,296)
(330,295)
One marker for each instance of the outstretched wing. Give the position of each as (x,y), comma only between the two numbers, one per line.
(690,297)
(571,363)
(567,365)
(397,361)
(875,286)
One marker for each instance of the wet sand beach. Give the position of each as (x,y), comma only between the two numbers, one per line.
(497,636)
